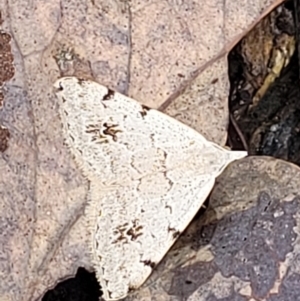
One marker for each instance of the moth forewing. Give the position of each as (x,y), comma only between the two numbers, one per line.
(149,175)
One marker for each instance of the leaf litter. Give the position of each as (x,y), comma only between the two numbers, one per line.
(47,190)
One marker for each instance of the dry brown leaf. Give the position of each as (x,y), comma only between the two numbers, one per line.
(150,50)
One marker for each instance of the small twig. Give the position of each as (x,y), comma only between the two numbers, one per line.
(239,132)
(297,30)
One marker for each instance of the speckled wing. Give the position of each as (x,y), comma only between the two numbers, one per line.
(149,175)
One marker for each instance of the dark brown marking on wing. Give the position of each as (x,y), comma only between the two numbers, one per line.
(109,95)
(144,110)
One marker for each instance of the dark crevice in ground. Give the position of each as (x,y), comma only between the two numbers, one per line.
(83,287)
(272,127)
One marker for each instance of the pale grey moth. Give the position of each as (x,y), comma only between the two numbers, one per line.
(149,174)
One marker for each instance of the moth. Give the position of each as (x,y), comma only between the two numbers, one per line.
(149,174)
